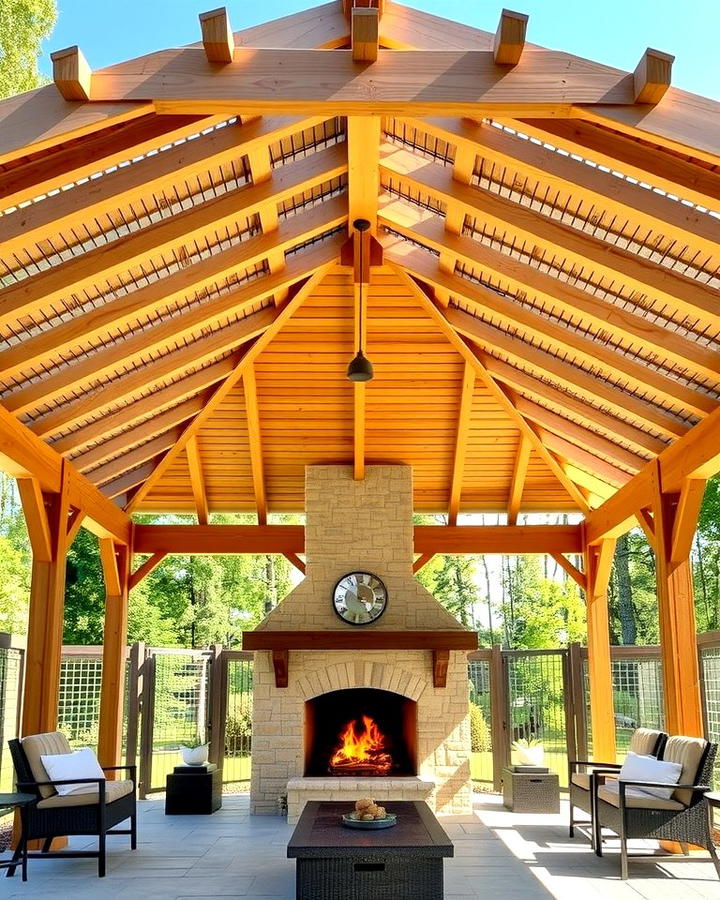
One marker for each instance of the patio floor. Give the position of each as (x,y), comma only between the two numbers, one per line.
(231,854)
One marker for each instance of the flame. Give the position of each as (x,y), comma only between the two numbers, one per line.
(362,745)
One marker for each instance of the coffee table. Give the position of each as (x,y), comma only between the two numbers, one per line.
(404,862)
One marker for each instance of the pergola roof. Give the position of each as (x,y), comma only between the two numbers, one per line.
(176,319)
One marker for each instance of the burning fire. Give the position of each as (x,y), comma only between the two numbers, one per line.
(361,750)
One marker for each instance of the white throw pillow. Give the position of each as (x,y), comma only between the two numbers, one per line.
(80,764)
(647,768)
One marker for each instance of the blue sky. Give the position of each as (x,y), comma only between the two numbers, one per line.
(615,32)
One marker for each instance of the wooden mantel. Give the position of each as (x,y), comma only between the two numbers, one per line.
(281,642)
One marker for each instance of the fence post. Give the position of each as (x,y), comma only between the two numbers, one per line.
(499,715)
(577,689)
(147,721)
(570,709)
(135,686)
(218,704)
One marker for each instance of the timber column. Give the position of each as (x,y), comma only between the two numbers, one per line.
(675,520)
(598,562)
(116,571)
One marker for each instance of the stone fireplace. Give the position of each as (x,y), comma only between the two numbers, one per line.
(406,708)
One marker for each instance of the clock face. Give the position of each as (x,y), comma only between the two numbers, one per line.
(359,598)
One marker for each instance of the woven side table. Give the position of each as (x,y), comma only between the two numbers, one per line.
(527,792)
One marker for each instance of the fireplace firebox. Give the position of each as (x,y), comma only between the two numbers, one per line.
(360,732)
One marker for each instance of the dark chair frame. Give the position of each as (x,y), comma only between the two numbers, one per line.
(97,819)
(689,825)
(585,800)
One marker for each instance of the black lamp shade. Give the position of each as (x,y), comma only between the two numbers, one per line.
(360,368)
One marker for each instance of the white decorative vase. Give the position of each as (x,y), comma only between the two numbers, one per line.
(195,756)
(531,756)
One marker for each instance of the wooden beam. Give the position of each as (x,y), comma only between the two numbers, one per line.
(248,359)
(522,457)
(129,480)
(131,185)
(252,415)
(196,352)
(676,613)
(652,76)
(357,639)
(413,82)
(290,539)
(577,576)
(24,455)
(71,74)
(588,460)
(167,235)
(365,34)
(598,561)
(171,330)
(130,460)
(441,660)
(36,519)
(510,38)
(467,392)
(575,247)
(217,36)
(686,516)
(197,480)
(492,339)
(498,392)
(617,198)
(422,561)
(145,568)
(116,570)
(295,560)
(647,523)
(363,148)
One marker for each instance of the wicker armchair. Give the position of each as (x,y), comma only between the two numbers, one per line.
(627,809)
(581,774)
(53,815)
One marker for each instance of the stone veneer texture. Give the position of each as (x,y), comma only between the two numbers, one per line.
(360,525)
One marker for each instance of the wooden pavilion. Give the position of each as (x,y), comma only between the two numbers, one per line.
(183,285)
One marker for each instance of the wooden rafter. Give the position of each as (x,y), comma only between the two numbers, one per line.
(461,438)
(597,189)
(577,576)
(217,35)
(510,38)
(589,460)
(363,143)
(586,349)
(154,175)
(197,480)
(448,539)
(228,384)
(130,460)
(71,73)
(200,349)
(468,355)
(553,367)
(559,240)
(522,458)
(103,263)
(652,76)
(129,481)
(365,34)
(252,415)
(146,567)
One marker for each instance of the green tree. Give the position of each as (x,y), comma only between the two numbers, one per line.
(24,25)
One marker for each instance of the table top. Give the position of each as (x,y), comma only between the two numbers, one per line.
(17,799)
(321,834)
(713,798)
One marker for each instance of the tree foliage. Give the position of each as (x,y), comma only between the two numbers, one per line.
(24,25)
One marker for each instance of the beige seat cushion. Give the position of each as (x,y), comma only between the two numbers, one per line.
(635,798)
(643,741)
(581,780)
(688,752)
(113,791)
(36,745)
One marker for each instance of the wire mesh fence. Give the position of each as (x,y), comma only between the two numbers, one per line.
(11,666)
(238,721)
(710,679)
(79,699)
(481,760)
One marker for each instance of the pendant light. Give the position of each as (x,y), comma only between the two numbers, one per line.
(360,367)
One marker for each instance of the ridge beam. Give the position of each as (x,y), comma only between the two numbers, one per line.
(652,76)
(217,35)
(510,38)
(71,73)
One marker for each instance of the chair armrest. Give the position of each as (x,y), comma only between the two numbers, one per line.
(663,784)
(589,763)
(131,769)
(97,781)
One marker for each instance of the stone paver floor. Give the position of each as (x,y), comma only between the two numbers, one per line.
(231,854)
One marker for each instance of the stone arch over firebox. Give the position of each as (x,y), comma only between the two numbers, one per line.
(362,674)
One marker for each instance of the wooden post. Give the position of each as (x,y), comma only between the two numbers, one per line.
(116,570)
(146,728)
(137,657)
(46,516)
(575,665)
(498,716)
(218,705)
(675,519)
(598,561)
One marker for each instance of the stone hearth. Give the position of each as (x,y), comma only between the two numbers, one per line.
(350,526)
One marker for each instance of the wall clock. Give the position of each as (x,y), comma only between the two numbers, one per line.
(359,598)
